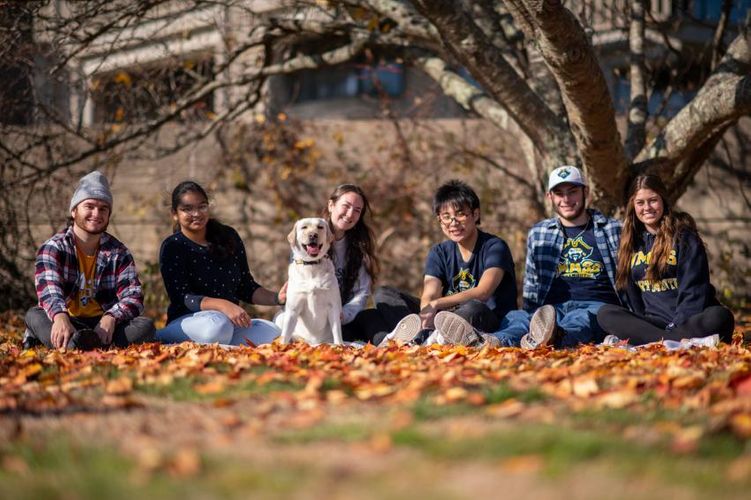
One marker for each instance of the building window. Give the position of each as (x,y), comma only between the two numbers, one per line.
(370,74)
(710,10)
(141,93)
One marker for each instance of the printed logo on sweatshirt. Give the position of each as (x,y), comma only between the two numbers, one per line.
(656,286)
(639,258)
(462,281)
(576,262)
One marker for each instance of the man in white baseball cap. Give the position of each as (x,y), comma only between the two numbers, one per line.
(570,270)
(88,290)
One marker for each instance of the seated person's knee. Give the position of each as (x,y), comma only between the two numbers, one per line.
(217,328)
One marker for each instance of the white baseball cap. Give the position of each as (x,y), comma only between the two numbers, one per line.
(566,173)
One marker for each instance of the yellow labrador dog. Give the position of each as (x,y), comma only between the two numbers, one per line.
(314,307)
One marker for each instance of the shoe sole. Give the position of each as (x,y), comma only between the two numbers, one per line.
(405,331)
(541,328)
(455,329)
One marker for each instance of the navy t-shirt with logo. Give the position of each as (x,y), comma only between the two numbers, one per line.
(445,262)
(580,273)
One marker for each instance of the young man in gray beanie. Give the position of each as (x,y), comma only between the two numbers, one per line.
(88,290)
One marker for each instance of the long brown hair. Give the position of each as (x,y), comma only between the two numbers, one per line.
(672,225)
(360,242)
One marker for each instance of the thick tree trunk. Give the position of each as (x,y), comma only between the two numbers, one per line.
(467,44)
(569,55)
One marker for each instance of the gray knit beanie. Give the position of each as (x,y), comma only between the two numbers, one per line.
(92,186)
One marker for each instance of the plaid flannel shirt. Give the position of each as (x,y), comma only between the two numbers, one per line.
(57,276)
(544,246)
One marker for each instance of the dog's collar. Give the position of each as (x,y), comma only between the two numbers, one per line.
(309,262)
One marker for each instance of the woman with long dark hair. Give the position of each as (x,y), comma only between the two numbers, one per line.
(205,271)
(662,265)
(353,253)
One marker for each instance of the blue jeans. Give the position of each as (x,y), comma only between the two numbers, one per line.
(577,319)
(207,327)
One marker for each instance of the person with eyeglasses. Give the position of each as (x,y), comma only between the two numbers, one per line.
(205,271)
(86,281)
(469,279)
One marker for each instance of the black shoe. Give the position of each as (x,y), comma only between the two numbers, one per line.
(30,341)
(85,339)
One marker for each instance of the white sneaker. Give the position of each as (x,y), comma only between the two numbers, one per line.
(708,341)
(435,338)
(541,328)
(611,340)
(405,331)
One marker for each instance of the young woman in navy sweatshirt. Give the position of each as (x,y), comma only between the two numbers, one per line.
(662,265)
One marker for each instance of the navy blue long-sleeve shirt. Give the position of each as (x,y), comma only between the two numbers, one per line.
(683,291)
(191,272)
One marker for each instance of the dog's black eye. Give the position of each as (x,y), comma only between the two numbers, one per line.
(320,227)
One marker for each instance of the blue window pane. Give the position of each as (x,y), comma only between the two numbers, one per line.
(352,81)
(710,10)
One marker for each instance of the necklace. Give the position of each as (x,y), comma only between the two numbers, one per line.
(586,226)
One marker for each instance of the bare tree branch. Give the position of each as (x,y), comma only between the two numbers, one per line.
(571,58)
(637,113)
(469,46)
(692,134)
(718,46)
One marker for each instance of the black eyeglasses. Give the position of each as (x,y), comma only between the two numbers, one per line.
(446,218)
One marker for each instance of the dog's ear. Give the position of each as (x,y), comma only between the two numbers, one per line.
(292,236)
(329,233)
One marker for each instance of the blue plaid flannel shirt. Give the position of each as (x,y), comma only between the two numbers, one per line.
(544,246)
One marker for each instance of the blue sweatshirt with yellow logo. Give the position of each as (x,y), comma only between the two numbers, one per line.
(683,291)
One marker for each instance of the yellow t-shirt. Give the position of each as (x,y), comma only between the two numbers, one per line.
(83,304)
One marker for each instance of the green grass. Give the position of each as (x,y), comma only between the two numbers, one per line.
(346,432)
(60,469)
(563,449)
(502,392)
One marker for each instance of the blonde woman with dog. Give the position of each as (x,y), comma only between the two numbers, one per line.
(205,271)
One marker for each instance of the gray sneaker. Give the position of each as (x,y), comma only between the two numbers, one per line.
(457,330)
(405,331)
(541,328)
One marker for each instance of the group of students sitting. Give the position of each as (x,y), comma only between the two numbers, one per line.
(588,278)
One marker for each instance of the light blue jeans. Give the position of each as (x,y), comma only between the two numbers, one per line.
(207,327)
(577,319)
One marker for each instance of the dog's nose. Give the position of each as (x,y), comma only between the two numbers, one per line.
(313,237)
